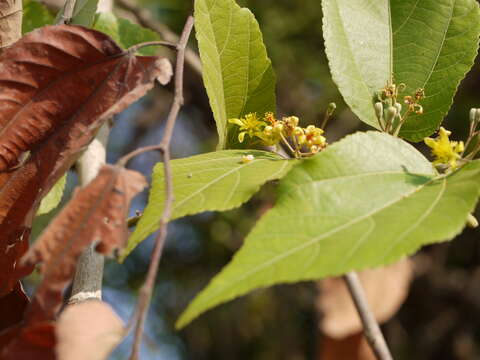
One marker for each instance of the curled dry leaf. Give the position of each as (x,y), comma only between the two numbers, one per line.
(12,307)
(10,22)
(96,214)
(58,84)
(88,330)
(33,342)
(386,289)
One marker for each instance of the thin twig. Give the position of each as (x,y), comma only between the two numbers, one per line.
(67,13)
(137,47)
(144,18)
(371,328)
(147,288)
(126,158)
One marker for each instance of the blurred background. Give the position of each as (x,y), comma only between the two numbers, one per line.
(438,313)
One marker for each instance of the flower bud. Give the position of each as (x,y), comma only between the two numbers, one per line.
(379,110)
(399,107)
(301,139)
(331,108)
(247,158)
(475,115)
(472,222)
(390,114)
(292,121)
(298,131)
(268,130)
(278,127)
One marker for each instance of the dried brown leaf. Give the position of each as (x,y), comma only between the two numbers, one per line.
(96,214)
(88,330)
(36,341)
(10,22)
(12,307)
(386,289)
(57,86)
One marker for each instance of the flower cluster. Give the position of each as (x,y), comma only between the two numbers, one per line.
(272,131)
(446,152)
(389,110)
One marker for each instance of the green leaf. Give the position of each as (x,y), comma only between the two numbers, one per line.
(53,198)
(237,72)
(213,181)
(434,45)
(365,201)
(83,12)
(426,44)
(125,33)
(357,44)
(35,15)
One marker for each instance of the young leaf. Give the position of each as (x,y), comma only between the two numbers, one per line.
(365,201)
(125,33)
(53,198)
(214,181)
(77,339)
(237,73)
(35,15)
(96,213)
(10,22)
(435,43)
(357,44)
(57,86)
(426,44)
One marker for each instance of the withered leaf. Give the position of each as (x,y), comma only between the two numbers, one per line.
(58,84)
(60,74)
(36,341)
(96,214)
(10,22)
(12,307)
(88,330)
(386,289)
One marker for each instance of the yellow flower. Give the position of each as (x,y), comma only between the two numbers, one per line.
(446,152)
(315,138)
(247,158)
(249,125)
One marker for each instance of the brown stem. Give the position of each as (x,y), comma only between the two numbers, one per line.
(147,288)
(371,328)
(144,18)
(137,47)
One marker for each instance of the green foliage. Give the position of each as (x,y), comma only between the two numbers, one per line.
(429,44)
(237,72)
(83,12)
(35,15)
(434,46)
(365,201)
(125,33)
(357,44)
(53,198)
(219,181)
